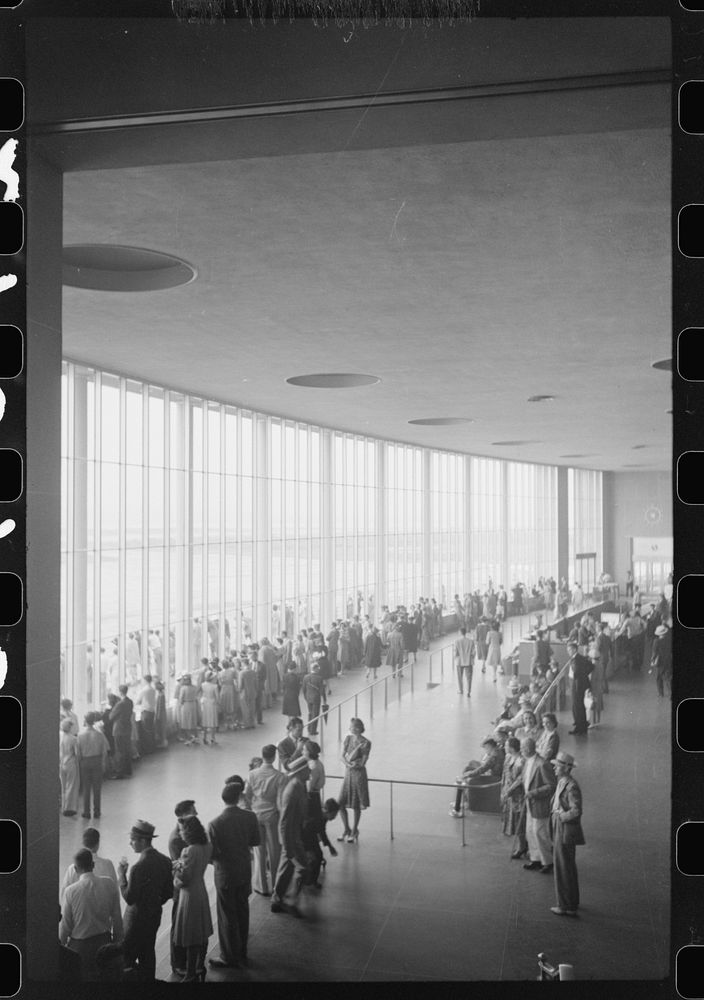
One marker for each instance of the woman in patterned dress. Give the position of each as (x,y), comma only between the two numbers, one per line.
(192,924)
(354,793)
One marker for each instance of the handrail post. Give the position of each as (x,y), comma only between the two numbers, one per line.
(339,723)
(371,701)
(321,728)
(356,712)
(391,809)
(412,670)
(430,667)
(464,841)
(386,692)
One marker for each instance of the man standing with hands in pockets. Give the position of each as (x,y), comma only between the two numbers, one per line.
(566,834)
(465,652)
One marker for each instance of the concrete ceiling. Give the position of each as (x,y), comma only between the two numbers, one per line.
(467,275)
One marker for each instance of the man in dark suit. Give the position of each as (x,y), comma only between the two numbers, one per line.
(567,832)
(149,886)
(581,669)
(121,718)
(232,834)
(293,860)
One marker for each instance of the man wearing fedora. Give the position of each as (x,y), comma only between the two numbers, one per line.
(149,886)
(661,658)
(567,832)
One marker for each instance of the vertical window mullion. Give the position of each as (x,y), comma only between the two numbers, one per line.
(97,540)
(146,555)
(122,535)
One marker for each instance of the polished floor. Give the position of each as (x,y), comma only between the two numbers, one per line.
(421,906)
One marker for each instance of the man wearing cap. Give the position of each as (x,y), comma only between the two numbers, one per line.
(567,832)
(465,652)
(149,886)
(90,914)
(661,658)
(581,667)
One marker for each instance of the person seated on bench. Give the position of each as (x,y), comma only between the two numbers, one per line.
(484,771)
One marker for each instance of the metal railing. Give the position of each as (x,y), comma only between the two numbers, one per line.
(391,681)
(424,784)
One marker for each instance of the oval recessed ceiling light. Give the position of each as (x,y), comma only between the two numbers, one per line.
(513,443)
(638,447)
(664,366)
(334,380)
(106,268)
(578,454)
(541,399)
(440,421)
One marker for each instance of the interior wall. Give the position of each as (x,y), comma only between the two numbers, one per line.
(627,498)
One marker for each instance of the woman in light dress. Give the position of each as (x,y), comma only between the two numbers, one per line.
(209,706)
(493,641)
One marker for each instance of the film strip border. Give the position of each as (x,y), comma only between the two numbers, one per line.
(13,479)
(688,417)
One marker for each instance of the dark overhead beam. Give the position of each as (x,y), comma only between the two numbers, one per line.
(351,102)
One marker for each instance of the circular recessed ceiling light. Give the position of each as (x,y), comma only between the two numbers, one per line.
(335,380)
(541,399)
(513,443)
(440,421)
(106,268)
(664,366)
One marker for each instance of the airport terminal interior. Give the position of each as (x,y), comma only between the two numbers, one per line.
(339,323)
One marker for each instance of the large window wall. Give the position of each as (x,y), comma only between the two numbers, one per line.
(531,514)
(190,527)
(585,527)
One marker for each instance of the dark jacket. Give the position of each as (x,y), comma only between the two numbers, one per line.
(567,812)
(121,717)
(149,886)
(232,833)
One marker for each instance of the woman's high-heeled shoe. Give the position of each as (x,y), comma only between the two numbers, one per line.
(352,838)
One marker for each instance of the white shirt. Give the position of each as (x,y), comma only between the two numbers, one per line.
(91,906)
(147,698)
(262,790)
(102,867)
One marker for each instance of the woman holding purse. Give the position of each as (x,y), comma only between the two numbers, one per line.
(354,793)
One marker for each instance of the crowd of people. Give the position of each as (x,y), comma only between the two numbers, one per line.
(270,833)
(269,838)
(536,793)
